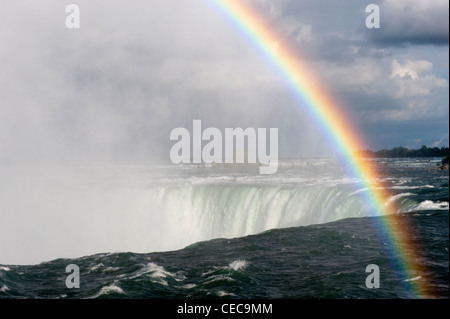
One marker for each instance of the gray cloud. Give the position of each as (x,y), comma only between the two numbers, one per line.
(413,22)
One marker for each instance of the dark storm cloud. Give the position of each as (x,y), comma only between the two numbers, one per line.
(394,74)
(418,22)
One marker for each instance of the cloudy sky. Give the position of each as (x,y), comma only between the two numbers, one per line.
(115,88)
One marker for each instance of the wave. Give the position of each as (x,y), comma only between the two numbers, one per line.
(411,187)
(398,196)
(413,279)
(107,290)
(222,293)
(157,274)
(95,267)
(188,286)
(429,205)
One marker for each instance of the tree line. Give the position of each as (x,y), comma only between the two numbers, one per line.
(401,151)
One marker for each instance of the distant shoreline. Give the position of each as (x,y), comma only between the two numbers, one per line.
(399,152)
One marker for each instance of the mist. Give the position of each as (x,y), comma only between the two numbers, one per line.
(110,93)
(113,90)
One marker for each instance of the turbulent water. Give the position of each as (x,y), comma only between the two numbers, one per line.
(211,232)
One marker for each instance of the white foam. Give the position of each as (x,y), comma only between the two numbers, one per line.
(222,293)
(4,288)
(207,273)
(95,267)
(218,278)
(109,290)
(414,279)
(189,286)
(395,197)
(430,205)
(412,187)
(157,273)
(238,264)
(4,268)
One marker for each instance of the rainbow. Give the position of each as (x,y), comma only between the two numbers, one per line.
(333,120)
